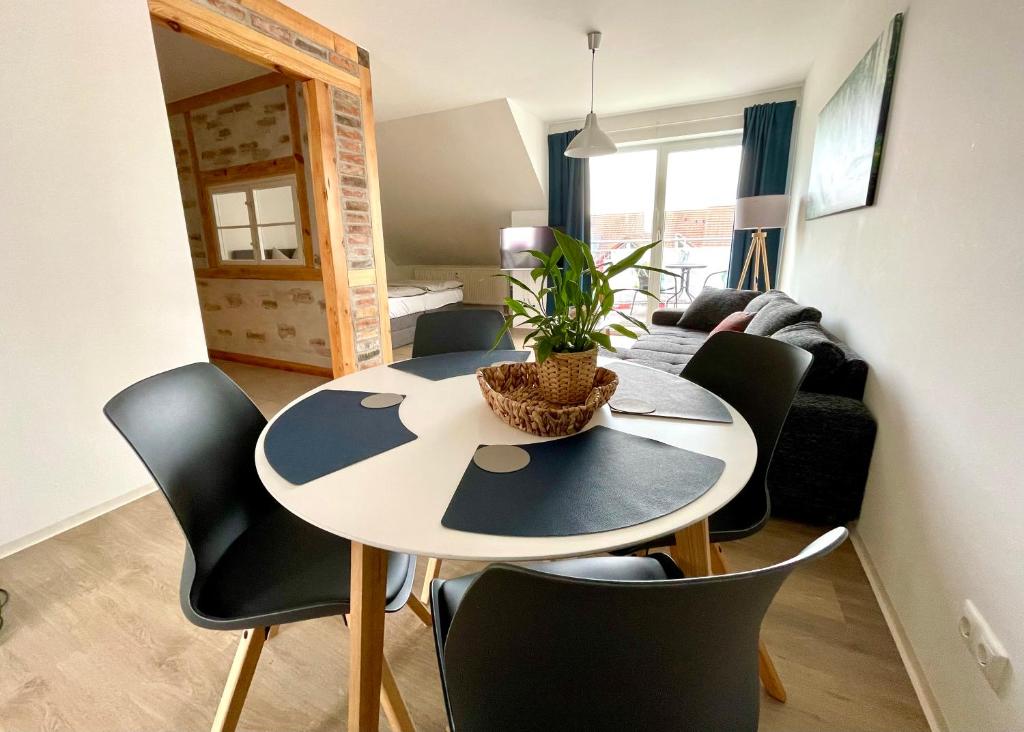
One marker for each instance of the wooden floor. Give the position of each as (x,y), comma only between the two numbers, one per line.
(95,640)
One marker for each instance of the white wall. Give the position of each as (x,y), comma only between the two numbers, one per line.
(450,179)
(97,288)
(927,285)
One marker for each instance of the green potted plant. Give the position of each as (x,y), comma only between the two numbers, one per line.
(566,339)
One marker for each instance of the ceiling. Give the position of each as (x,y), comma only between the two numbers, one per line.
(430,56)
(189,67)
(443,54)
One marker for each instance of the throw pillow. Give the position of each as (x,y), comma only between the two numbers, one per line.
(779,313)
(761,300)
(712,305)
(737,322)
(829,357)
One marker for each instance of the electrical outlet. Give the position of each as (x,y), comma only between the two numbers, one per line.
(984,646)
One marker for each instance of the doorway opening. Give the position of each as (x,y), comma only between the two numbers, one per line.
(241,145)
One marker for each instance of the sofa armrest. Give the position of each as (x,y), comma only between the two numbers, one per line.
(666,317)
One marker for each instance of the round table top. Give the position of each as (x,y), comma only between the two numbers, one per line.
(395,500)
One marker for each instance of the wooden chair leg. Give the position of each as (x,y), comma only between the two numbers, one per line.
(239,678)
(433,572)
(392,703)
(769,676)
(421,610)
(765,666)
(274,630)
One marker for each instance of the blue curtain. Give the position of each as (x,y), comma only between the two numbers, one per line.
(764,165)
(568,191)
(568,188)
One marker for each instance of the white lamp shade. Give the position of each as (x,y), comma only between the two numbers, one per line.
(591,141)
(761,212)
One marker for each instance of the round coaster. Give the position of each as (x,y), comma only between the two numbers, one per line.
(631,406)
(501,458)
(381,401)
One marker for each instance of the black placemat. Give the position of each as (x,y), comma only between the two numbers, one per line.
(598,480)
(446,365)
(671,396)
(328,431)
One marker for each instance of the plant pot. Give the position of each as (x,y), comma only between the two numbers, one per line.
(567,378)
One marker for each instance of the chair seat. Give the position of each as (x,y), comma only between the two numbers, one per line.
(283,570)
(728,523)
(626,569)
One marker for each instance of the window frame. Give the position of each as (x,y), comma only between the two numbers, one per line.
(664,148)
(248,186)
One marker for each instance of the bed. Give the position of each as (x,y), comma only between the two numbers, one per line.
(409,299)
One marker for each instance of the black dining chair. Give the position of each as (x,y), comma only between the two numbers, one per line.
(607,643)
(759,377)
(450,331)
(250,565)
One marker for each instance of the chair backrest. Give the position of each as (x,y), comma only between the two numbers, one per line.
(449,331)
(527,650)
(196,431)
(759,377)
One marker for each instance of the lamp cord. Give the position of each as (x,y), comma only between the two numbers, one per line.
(593,59)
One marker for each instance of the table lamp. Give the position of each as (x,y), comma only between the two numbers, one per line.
(759,213)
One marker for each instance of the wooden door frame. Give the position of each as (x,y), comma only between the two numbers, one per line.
(346,67)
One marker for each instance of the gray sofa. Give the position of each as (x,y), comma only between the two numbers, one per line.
(821,462)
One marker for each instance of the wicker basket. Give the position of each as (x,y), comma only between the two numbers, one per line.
(512,391)
(567,378)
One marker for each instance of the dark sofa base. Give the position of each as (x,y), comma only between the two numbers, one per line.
(820,466)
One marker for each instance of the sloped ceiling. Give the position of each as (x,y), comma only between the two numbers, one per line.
(188,67)
(449,180)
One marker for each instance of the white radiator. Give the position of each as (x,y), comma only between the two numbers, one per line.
(479,285)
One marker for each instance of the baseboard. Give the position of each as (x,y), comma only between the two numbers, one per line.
(13,547)
(272,363)
(936,722)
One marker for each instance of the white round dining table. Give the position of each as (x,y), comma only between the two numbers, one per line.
(395,500)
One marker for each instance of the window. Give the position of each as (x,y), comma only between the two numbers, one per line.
(258,221)
(682,193)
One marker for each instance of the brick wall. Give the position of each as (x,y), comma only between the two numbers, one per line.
(355,201)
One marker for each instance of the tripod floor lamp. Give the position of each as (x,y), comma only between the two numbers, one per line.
(759,213)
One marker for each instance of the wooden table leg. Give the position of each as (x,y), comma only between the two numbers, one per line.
(692,550)
(366,631)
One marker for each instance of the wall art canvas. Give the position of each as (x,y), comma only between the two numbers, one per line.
(851,131)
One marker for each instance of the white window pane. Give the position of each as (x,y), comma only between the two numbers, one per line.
(280,243)
(236,245)
(230,209)
(275,205)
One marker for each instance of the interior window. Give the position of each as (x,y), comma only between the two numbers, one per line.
(258,221)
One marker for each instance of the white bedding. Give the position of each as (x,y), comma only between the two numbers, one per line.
(415,296)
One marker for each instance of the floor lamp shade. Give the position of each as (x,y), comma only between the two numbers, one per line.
(761,212)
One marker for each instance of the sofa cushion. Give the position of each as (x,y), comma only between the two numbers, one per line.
(779,313)
(737,322)
(763,299)
(828,356)
(666,347)
(711,306)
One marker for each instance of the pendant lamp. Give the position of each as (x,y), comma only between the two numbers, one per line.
(591,140)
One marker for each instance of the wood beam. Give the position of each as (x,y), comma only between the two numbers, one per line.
(216,96)
(185,16)
(300,174)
